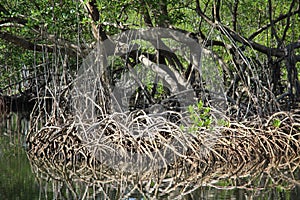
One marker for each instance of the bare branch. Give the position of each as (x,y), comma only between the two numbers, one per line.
(235,14)
(228,32)
(17,20)
(287,22)
(261,48)
(22,42)
(263,28)
(273,30)
(216,10)
(202,14)
(71,49)
(173,78)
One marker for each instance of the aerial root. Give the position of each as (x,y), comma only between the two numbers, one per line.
(153,139)
(153,153)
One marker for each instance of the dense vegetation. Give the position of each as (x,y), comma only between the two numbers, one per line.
(255,43)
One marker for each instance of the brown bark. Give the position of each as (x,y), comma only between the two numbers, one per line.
(98,31)
(21,42)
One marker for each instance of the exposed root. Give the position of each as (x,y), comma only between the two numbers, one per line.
(161,152)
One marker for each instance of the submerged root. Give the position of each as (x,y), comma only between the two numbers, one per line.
(161,157)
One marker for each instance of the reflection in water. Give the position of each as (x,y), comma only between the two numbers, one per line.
(16,178)
(18,182)
(87,179)
(246,181)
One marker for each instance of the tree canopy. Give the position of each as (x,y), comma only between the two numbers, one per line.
(255,43)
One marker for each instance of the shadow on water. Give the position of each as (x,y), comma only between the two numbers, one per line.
(24,176)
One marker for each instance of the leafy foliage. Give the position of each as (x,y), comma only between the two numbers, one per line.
(200,116)
(259,52)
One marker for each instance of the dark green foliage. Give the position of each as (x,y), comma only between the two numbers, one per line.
(249,39)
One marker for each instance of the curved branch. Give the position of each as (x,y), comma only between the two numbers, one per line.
(288,21)
(234,35)
(71,49)
(263,28)
(22,42)
(202,14)
(261,48)
(173,78)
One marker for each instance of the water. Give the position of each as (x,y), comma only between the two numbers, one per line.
(16,178)
(23,177)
